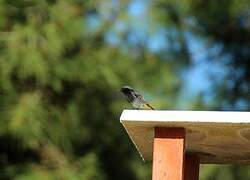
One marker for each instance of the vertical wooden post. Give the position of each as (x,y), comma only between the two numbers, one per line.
(192,164)
(168,155)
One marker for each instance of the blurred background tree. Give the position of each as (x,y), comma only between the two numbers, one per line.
(62,63)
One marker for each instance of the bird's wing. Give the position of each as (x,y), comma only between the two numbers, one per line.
(139,96)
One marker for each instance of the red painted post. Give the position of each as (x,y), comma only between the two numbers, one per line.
(168,154)
(192,164)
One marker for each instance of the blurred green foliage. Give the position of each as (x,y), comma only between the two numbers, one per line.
(60,80)
(59,86)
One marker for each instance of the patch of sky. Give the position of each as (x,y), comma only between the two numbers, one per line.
(163,39)
(196,47)
(93,22)
(135,28)
(157,41)
(138,8)
(206,60)
(241,105)
(114,35)
(120,26)
(136,37)
(200,77)
(137,11)
(112,38)
(196,80)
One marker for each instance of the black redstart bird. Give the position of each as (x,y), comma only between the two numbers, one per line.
(135,98)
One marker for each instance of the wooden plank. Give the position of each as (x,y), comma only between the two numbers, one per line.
(168,154)
(218,137)
(192,164)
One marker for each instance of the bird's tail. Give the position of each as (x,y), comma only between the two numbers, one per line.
(150,107)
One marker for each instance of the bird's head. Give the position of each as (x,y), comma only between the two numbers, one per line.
(126,90)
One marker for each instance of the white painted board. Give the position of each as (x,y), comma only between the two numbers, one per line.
(216,136)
